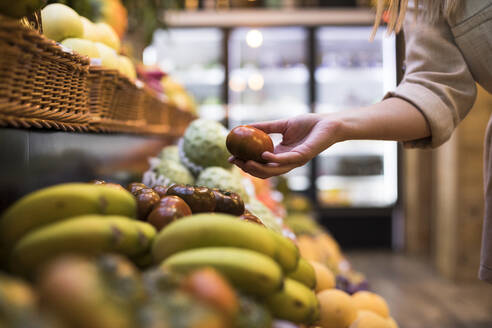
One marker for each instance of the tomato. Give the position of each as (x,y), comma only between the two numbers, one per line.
(228,202)
(199,199)
(169,209)
(146,200)
(160,190)
(248,143)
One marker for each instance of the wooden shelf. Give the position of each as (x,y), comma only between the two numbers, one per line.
(268,17)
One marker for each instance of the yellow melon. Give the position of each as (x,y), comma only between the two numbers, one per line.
(368,319)
(392,323)
(337,309)
(365,300)
(325,279)
(308,249)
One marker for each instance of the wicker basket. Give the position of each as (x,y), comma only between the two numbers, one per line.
(115,102)
(41,86)
(156,114)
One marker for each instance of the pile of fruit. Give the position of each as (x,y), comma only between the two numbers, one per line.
(109,291)
(211,249)
(97,41)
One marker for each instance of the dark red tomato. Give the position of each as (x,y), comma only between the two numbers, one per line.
(248,143)
(248,216)
(146,200)
(200,199)
(228,202)
(135,186)
(160,190)
(169,209)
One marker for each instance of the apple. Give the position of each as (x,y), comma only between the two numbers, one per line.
(61,22)
(108,36)
(82,47)
(248,143)
(167,210)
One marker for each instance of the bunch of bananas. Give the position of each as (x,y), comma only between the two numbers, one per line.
(80,218)
(256,260)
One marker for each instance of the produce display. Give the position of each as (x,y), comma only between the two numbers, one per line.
(180,255)
(195,244)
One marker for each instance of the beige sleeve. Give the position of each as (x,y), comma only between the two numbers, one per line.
(437,80)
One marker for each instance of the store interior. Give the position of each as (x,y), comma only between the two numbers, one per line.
(407,223)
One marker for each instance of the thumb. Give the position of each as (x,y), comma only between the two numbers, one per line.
(271,126)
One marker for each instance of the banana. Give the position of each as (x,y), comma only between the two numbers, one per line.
(304,274)
(295,303)
(89,235)
(249,271)
(214,230)
(59,202)
(287,253)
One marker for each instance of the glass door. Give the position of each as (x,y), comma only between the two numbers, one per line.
(269,80)
(353,72)
(193,56)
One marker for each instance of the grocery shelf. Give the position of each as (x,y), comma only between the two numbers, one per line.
(34,159)
(268,17)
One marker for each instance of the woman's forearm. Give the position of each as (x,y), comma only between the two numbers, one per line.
(391,119)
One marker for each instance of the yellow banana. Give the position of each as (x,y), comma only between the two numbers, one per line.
(287,253)
(215,230)
(59,202)
(304,274)
(249,271)
(295,303)
(88,235)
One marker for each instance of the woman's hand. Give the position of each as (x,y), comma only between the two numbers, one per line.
(308,135)
(304,137)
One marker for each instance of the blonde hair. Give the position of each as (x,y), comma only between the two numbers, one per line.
(429,10)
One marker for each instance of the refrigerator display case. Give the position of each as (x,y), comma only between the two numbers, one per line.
(269,79)
(351,72)
(194,57)
(242,74)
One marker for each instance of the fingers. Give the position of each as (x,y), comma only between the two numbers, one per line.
(286,158)
(271,126)
(262,171)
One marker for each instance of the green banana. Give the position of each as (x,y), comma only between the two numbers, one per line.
(90,235)
(295,303)
(59,202)
(249,271)
(304,274)
(287,253)
(214,230)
